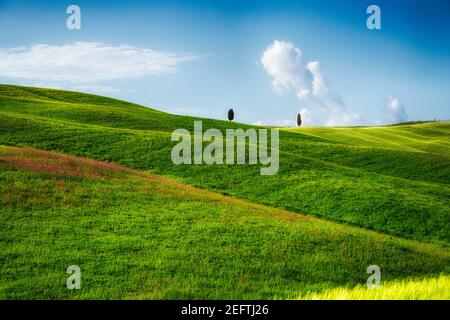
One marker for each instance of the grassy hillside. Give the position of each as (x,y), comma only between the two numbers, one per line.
(392,179)
(137,235)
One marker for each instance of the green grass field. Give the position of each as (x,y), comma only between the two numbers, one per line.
(424,289)
(141,227)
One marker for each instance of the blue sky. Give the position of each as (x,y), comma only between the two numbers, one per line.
(202,57)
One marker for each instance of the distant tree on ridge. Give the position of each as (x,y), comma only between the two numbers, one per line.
(230,114)
(299,119)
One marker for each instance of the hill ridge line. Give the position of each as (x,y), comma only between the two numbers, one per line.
(75,124)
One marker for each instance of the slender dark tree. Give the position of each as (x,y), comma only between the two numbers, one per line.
(230,114)
(299,119)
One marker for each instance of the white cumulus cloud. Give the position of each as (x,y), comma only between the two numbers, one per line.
(395,111)
(319,85)
(284,63)
(86,62)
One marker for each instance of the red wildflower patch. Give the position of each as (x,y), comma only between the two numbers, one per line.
(58,164)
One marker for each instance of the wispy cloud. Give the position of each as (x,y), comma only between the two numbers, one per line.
(276,123)
(87,62)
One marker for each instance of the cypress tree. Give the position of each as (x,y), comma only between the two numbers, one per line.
(299,119)
(230,114)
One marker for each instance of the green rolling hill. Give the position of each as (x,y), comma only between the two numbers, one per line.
(137,235)
(391,179)
(146,228)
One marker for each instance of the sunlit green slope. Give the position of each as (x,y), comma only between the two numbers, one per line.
(390,179)
(137,235)
(418,289)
